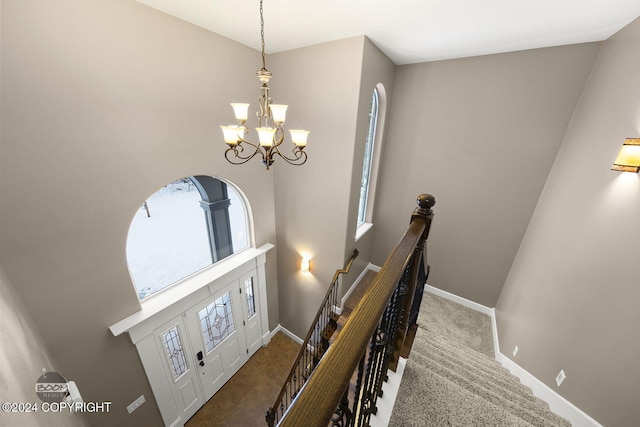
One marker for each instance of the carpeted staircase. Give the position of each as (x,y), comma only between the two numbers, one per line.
(448,383)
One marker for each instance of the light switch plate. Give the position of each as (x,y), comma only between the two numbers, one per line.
(139,401)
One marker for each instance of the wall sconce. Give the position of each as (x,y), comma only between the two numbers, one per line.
(628,159)
(305,265)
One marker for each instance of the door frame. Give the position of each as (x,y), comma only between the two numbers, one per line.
(141,325)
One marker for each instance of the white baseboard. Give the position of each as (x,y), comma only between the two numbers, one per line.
(266,338)
(462,301)
(338,310)
(494,330)
(558,404)
(491,312)
(373,267)
(287,332)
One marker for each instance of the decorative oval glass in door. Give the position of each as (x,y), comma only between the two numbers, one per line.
(216,321)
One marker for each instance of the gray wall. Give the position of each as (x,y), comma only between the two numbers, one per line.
(317,204)
(104,102)
(571,298)
(312,201)
(480,134)
(376,68)
(23,355)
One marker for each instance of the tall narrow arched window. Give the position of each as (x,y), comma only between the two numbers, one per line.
(371,160)
(368,158)
(183,228)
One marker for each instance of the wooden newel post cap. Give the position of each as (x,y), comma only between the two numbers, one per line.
(425,203)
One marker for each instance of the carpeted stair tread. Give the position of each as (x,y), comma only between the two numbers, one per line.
(498,374)
(448,404)
(472,371)
(468,353)
(480,361)
(448,342)
(452,379)
(456,322)
(491,372)
(519,402)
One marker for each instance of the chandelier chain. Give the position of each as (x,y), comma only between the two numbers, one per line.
(264,66)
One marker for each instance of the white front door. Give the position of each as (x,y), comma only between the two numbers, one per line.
(222,315)
(181,372)
(218,337)
(251,312)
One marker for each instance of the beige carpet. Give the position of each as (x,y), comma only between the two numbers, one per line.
(457,323)
(452,379)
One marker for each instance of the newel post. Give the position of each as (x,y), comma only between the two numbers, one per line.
(422,213)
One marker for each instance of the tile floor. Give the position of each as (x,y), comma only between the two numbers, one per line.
(245,398)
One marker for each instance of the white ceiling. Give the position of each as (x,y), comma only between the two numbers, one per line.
(410,31)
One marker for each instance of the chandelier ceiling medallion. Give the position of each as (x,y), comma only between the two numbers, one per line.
(271,118)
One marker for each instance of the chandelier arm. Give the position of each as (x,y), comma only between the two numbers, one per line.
(239,148)
(235,151)
(241,140)
(298,152)
(300,156)
(278,137)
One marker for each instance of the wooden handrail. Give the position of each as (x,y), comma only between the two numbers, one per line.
(318,399)
(271,413)
(346,268)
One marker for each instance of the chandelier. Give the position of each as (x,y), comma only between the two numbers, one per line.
(271,118)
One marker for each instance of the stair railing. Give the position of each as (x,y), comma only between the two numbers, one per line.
(313,347)
(371,339)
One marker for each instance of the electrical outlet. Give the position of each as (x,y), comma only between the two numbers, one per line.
(515,351)
(561,376)
(136,404)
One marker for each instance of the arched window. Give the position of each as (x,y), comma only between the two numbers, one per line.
(368,158)
(183,228)
(371,160)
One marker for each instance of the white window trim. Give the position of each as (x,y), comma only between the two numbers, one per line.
(167,299)
(363,229)
(367,225)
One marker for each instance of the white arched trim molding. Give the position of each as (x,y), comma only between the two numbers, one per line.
(381,115)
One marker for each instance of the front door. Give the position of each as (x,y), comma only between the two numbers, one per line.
(218,337)
(173,344)
(251,313)
(191,346)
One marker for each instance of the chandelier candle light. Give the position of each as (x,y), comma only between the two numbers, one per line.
(271,118)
